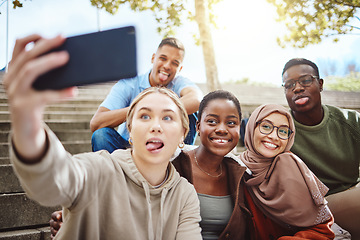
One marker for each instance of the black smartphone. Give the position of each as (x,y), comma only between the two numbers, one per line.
(95,57)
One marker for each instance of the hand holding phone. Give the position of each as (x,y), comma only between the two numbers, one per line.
(94,58)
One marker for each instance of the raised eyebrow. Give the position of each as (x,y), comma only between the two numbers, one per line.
(212,115)
(144,109)
(232,116)
(283,125)
(168,110)
(150,110)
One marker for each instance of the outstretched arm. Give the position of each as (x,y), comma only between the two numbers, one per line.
(191,98)
(104,117)
(27,105)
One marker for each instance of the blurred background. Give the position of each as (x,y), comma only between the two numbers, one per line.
(244,39)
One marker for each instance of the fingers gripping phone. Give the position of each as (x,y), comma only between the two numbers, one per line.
(95,57)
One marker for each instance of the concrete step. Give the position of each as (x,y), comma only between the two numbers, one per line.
(18,211)
(62,107)
(63,135)
(4,136)
(40,233)
(74,135)
(9,183)
(54,124)
(72,147)
(79,101)
(86,107)
(4,160)
(83,94)
(4,149)
(78,115)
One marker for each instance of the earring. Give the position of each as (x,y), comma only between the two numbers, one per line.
(181,145)
(130,141)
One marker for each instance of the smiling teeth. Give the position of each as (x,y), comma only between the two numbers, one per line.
(221,140)
(270,145)
(165,73)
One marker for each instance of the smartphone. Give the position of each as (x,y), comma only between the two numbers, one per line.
(94,58)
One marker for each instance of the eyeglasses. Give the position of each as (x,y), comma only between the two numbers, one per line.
(304,81)
(266,128)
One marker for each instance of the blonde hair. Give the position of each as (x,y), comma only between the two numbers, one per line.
(183,114)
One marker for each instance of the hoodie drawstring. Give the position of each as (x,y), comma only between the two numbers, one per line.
(148,201)
(160,226)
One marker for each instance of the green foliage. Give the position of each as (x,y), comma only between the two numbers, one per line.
(309,22)
(168,14)
(350,82)
(16,4)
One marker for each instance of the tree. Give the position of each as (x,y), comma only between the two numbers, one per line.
(17,3)
(203,20)
(309,22)
(170,15)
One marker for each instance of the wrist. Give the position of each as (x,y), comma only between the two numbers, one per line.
(31,157)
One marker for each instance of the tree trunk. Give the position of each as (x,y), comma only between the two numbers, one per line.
(202,19)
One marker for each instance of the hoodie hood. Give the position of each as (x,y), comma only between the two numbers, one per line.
(127,164)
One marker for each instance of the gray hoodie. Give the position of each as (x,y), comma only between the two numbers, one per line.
(104,196)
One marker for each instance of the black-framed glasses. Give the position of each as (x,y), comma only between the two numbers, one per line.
(304,81)
(266,128)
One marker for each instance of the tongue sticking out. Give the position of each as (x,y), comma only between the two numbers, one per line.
(163,77)
(302,101)
(153,146)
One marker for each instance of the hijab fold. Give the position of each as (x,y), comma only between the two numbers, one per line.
(283,187)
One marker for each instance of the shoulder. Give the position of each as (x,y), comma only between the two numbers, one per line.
(345,117)
(183,79)
(105,162)
(183,82)
(186,190)
(180,158)
(101,161)
(182,165)
(122,155)
(347,114)
(128,82)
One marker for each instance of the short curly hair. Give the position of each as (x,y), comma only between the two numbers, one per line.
(218,94)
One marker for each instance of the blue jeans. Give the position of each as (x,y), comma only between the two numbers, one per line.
(109,139)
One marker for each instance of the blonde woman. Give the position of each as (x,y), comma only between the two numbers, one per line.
(130,194)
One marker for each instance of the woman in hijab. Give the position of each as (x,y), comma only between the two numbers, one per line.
(282,189)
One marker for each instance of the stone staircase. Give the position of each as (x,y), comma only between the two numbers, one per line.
(21,218)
